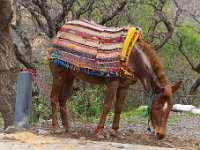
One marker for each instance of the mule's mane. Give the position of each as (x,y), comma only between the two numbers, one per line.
(157,67)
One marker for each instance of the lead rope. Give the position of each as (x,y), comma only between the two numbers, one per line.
(33,72)
(149,96)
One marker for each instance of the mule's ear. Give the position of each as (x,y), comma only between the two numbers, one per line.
(176,86)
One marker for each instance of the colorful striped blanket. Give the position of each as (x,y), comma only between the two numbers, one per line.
(91,48)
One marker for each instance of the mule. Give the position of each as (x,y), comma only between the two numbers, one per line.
(147,68)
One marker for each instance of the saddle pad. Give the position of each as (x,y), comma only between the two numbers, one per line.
(88,47)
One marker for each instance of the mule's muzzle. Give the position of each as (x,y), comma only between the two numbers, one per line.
(160,134)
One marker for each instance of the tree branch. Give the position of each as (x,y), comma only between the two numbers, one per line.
(21,60)
(180,48)
(194,17)
(168,24)
(67,6)
(129,17)
(51,24)
(158,17)
(107,18)
(84,8)
(27,46)
(195,86)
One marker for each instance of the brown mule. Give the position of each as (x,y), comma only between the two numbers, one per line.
(146,64)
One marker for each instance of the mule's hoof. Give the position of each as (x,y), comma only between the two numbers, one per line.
(59,131)
(117,134)
(100,131)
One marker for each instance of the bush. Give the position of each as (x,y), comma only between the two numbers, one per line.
(87,103)
(40,109)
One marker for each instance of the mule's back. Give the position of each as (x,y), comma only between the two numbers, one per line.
(88,47)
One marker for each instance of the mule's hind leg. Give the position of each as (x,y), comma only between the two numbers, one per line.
(65,92)
(110,94)
(121,94)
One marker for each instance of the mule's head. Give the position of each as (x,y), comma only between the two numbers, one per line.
(160,108)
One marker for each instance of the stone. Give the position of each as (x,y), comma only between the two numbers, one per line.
(74,133)
(10,129)
(42,132)
(82,138)
(100,136)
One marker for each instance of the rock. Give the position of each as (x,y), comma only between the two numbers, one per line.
(59,131)
(131,130)
(107,136)
(74,133)
(42,132)
(42,121)
(120,146)
(196,111)
(82,138)
(10,129)
(82,142)
(182,108)
(100,136)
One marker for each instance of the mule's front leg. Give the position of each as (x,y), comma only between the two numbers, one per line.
(121,95)
(55,93)
(110,94)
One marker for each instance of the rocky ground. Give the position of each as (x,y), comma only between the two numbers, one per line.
(183,133)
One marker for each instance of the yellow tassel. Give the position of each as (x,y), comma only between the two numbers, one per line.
(126,50)
(127,41)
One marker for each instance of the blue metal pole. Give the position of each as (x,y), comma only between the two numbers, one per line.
(23,99)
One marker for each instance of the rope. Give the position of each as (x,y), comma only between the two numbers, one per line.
(149,96)
(34,72)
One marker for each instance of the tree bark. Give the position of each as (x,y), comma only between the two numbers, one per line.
(9,66)
(195,86)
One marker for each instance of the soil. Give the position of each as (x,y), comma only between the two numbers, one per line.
(183,131)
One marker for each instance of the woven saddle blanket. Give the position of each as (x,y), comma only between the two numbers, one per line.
(91,48)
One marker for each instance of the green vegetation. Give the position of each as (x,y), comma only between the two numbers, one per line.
(140,112)
(1,120)
(192,114)
(87,103)
(136,115)
(39,109)
(197,102)
(173,120)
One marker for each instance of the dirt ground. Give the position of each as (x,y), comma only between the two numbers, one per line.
(183,132)
(27,140)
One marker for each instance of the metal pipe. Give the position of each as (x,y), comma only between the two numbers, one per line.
(23,99)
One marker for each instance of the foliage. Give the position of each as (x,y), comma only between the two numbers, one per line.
(191,42)
(176,65)
(39,110)
(87,103)
(173,120)
(140,111)
(1,120)
(192,114)
(197,102)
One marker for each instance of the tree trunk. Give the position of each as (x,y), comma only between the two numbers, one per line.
(8,65)
(195,86)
